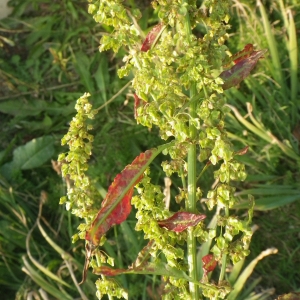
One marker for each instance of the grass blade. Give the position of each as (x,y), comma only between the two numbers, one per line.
(42,282)
(240,283)
(272,45)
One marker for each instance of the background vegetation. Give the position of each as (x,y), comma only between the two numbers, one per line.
(48,58)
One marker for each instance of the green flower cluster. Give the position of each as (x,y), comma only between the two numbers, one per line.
(150,207)
(82,194)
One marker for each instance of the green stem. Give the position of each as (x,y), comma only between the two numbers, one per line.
(192,177)
(224,256)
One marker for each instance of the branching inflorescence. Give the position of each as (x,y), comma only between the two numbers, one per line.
(180,70)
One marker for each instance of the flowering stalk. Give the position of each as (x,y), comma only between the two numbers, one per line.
(177,88)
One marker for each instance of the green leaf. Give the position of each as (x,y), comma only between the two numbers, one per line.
(20,108)
(83,68)
(34,153)
(240,283)
(42,282)
(268,203)
(102,77)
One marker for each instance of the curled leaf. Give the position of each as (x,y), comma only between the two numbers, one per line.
(181,221)
(242,151)
(116,206)
(208,263)
(151,37)
(241,70)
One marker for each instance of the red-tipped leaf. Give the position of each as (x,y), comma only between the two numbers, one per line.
(113,212)
(151,37)
(181,221)
(241,70)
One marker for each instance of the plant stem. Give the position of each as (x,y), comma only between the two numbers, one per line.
(224,256)
(192,177)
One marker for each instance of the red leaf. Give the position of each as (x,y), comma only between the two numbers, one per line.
(235,58)
(107,271)
(242,151)
(246,52)
(157,268)
(112,212)
(151,36)
(241,70)
(209,263)
(180,221)
(137,103)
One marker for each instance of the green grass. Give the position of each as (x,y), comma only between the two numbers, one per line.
(279,228)
(48,59)
(267,124)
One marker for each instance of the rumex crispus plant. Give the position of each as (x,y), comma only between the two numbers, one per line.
(179,80)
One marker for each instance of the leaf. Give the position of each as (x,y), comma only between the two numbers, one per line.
(270,196)
(119,195)
(22,108)
(108,271)
(208,263)
(151,268)
(151,37)
(241,70)
(246,52)
(83,68)
(242,151)
(181,221)
(102,78)
(268,203)
(34,154)
(240,282)
(116,206)
(248,49)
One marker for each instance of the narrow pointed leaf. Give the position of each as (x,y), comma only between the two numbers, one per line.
(116,206)
(108,271)
(240,282)
(151,268)
(241,70)
(181,221)
(151,37)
